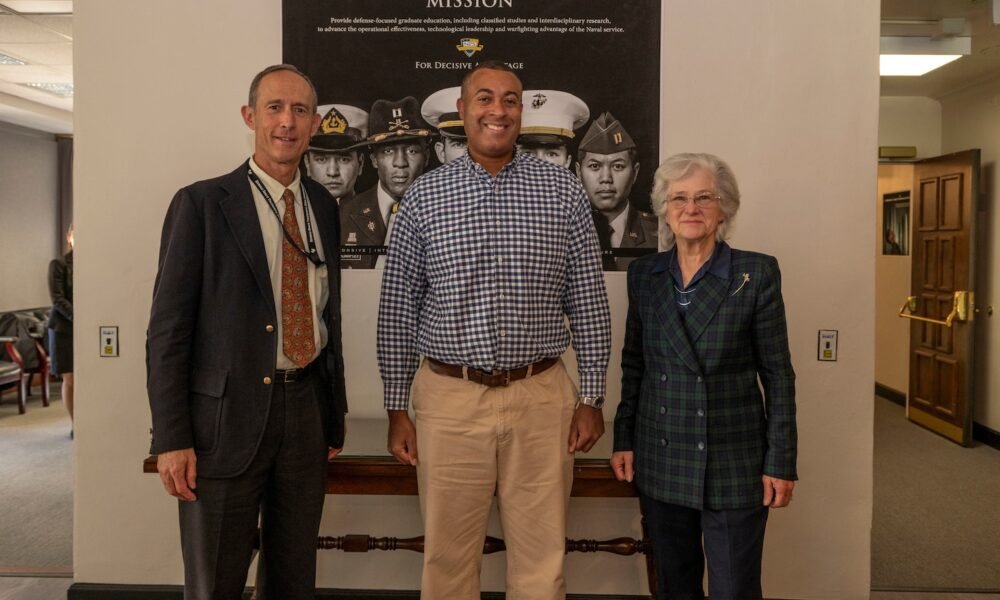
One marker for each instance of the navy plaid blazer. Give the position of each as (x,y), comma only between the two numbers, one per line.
(708,406)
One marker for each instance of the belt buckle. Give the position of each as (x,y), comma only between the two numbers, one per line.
(505,381)
(290,375)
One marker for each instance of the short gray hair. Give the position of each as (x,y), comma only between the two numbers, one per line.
(678,167)
(255,84)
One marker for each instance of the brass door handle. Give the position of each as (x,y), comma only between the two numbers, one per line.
(962,308)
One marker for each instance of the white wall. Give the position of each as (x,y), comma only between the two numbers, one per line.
(792,107)
(29,210)
(971,119)
(910,121)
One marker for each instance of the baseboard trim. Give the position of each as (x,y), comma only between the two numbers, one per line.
(985,435)
(890,394)
(102,591)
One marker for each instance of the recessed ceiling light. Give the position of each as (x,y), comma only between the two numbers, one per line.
(6,59)
(912,65)
(63,90)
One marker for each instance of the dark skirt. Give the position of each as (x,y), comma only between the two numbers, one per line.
(60,352)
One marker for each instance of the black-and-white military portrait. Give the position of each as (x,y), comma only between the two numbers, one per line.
(425,61)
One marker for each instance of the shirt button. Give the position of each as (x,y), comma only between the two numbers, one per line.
(500,260)
(269,328)
(701,412)
(503,332)
(498,221)
(701,445)
(663,442)
(501,296)
(663,410)
(267,381)
(663,377)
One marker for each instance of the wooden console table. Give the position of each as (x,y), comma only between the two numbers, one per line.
(384,476)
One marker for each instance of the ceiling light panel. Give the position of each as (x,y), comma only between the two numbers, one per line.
(912,65)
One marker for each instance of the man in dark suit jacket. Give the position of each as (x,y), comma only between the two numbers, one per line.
(245,366)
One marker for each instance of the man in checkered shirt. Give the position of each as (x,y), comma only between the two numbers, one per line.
(490,254)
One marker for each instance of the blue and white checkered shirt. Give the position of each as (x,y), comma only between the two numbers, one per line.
(483,270)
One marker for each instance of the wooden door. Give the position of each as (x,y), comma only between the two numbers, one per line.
(945,190)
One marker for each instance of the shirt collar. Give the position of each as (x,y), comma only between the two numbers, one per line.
(718,265)
(618,226)
(478,170)
(272,185)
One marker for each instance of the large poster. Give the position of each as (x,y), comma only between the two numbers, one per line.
(387,74)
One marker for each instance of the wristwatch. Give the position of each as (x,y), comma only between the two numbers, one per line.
(592,401)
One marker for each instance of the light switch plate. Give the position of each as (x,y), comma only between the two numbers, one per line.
(109,341)
(827,347)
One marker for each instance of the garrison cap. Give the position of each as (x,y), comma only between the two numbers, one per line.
(550,116)
(342,128)
(606,135)
(398,121)
(440,110)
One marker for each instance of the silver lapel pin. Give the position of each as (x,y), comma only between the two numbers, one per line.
(746,280)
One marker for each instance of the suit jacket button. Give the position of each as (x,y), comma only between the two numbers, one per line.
(663,410)
(663,442)
(663,377)
(269,328)
(267,381)
(699,379)
(701,412)
(701,445)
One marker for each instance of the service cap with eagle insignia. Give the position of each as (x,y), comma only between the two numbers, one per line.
(549,117)
(440,109)
(606,135)
(399,121)
(342,128)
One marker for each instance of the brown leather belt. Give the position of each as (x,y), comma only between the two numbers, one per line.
(494,379)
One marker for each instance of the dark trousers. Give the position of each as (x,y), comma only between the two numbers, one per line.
(733,546)
(283,490)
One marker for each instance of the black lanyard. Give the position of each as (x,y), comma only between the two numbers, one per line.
(311,254)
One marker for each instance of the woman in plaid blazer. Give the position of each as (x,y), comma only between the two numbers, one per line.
(706,423)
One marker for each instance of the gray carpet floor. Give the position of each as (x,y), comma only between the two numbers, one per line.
(936,522)
(936,518)
(36,468)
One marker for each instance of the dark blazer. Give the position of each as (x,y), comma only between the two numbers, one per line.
(61,292)
(691,408)
(361,224)
(641,231)
(211,338)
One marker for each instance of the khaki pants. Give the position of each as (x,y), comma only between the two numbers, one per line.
(472,440)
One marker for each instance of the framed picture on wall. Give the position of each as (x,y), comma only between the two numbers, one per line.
(896,223)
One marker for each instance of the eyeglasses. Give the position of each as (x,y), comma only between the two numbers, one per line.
(702,200)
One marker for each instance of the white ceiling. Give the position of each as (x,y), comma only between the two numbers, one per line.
(40,33)
(29,31)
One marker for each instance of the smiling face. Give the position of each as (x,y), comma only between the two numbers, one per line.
(283,120)
(608,180)
(336,171)
(399,164)
(490,106)
(688,221)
